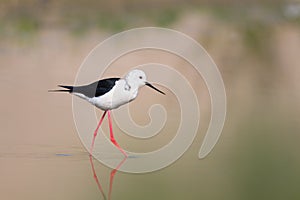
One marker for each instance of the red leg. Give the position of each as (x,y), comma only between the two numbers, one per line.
(96,131)
(112,138)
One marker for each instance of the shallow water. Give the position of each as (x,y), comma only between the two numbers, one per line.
(67,172)
(41,156)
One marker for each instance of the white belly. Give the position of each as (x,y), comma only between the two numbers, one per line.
(114,98)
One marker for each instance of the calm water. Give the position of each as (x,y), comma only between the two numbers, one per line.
(257,156)
(58,172)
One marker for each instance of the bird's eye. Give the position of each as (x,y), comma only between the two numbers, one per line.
(140,77)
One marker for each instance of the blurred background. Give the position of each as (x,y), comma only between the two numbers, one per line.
(255,44)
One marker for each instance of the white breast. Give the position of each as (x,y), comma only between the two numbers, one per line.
(116,97)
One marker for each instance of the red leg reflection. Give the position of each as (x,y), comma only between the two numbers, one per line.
(112,138)
(112,175)
(111,179)
(96,178)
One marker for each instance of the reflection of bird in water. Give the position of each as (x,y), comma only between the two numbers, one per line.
(111,179)
(108,94)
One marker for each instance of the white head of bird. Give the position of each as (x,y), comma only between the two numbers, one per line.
(134,80)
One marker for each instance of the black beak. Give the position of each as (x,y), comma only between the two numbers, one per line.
(149,85)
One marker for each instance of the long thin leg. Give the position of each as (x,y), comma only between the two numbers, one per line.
(112,138)
(96,131)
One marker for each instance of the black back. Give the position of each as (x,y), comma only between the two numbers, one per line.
(95,89)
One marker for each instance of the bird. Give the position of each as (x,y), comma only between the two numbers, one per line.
(108,94)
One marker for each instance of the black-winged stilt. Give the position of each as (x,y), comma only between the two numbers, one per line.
(108,94)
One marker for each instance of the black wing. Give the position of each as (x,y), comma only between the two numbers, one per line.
(95,89)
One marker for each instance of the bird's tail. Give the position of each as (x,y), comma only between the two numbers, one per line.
(67,89)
